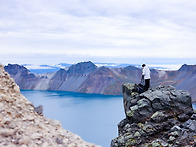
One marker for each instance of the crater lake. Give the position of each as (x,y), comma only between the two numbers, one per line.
(93,117)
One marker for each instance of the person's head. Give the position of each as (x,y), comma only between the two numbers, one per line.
(143,65)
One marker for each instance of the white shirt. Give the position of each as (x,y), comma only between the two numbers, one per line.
(146,72)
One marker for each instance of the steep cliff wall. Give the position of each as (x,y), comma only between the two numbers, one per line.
(20,125)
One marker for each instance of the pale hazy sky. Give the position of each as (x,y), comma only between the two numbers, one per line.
(99,30)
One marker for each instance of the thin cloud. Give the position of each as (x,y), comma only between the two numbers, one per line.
(110,28)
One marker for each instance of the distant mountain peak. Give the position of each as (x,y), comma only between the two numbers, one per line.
(14,68)
(131,67)
(82,68)
(186,67)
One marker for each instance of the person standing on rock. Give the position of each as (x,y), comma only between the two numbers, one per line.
(146,76)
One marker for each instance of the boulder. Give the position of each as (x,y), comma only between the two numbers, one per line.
(161,116)
(39,109)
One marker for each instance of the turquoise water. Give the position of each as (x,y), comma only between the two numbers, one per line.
(194,106)
(93,117)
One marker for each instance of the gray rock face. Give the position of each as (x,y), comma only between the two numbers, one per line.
(82,68)
(39,109)
(22,76)
(161,116)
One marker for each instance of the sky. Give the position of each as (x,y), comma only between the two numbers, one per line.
(113,31)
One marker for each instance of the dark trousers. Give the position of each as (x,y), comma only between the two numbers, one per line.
(147,84)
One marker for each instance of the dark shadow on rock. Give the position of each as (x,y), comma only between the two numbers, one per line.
(161,116)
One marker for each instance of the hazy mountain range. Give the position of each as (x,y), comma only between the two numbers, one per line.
(86,77)
(40,69)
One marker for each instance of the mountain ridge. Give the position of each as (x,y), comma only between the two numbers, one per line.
(86,77)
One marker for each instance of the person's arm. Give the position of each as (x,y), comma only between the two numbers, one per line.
(142,78)
(143,71)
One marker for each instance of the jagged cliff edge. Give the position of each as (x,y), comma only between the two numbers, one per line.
(159,117)
(20,125)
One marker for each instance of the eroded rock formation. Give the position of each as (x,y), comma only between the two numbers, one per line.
(159,117)
(22,125)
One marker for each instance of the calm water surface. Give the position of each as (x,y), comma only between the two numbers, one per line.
(93,117)
(194,106)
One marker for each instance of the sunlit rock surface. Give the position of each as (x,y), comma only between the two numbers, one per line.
(23,125)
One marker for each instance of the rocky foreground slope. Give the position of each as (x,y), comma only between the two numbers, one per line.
(21,126)
(159,117)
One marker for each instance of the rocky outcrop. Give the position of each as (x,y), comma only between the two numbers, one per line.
(159,117)
(23,125)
